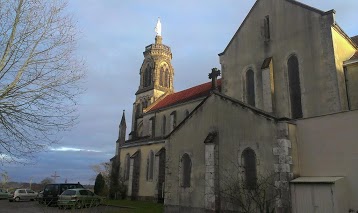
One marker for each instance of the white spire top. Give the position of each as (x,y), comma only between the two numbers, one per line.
(158,28)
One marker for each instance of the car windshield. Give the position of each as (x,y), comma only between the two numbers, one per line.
(69,192)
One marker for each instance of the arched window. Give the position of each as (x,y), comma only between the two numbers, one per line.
(294,87)
(127,167)
(166,80)
(249,162)
(150,165)
(187,113)
(186,170)
(145,104)
(147,78)
(161,77)
(173,120)
(138,110)
(250,87)
(164,124)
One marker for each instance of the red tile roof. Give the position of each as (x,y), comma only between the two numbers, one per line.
(192,93)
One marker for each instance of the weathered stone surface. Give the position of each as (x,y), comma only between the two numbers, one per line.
(284,143)
(282,168)
(280,151)
(284,159)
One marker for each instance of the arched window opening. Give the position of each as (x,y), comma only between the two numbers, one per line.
(166,79)
(150,165)
(187,113)
(250,87)
(161,77)
(145,104)
(147,78)
(186,170)
(249,162)
(164,124)
(127,167)
(294,87)
(173,120)
(138,110)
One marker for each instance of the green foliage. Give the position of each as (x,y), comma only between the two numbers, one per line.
(100,186)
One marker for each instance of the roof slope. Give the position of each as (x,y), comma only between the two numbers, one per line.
(192,93)
(252,8)
(355,39)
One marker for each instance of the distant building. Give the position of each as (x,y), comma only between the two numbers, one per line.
(286,105)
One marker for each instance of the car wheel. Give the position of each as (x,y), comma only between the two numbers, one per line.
(17,199)
(78,205)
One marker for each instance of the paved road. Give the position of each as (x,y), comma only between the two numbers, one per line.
(35,207)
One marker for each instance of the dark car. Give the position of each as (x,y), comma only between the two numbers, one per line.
(52,191)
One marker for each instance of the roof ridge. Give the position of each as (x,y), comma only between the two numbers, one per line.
(248,14)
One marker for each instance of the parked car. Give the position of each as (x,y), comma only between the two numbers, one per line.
(23,194)
(52,191)
(78,198)
(4,194)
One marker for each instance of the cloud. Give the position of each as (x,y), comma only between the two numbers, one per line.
(71,149)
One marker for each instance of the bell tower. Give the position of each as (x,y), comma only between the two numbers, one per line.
(156,77)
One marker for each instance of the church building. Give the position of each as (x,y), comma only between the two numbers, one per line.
(277,132)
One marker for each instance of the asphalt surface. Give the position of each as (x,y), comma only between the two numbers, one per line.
(35,207)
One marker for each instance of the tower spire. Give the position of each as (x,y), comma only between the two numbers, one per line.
(121,133)
(123,120)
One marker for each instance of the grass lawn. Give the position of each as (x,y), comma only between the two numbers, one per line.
(136,206)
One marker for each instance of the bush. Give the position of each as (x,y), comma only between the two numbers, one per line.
(100,187)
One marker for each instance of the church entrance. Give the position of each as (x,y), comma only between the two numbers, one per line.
(161,176)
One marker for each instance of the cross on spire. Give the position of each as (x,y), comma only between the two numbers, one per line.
(55,176)
(214,76)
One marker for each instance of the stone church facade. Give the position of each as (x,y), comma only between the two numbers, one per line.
(284,113)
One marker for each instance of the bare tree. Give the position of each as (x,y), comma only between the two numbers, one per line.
(259,198)
(39,76)
(47,180)
(104,169)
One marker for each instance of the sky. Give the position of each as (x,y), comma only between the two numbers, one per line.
(113,35)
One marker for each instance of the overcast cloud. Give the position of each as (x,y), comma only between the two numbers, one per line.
(113,37)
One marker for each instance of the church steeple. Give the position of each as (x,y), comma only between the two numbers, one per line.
(156,75)
(156,71)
